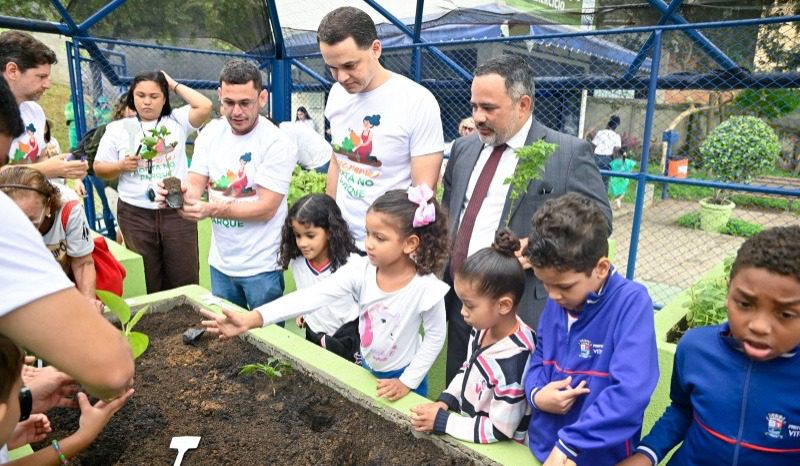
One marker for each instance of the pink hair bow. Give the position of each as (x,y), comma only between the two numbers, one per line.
(426,212)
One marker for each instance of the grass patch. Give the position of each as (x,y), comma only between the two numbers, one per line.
(734,227)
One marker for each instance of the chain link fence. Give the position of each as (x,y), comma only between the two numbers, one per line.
(705,77)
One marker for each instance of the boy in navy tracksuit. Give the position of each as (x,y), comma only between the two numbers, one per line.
(595,364)
(735,398)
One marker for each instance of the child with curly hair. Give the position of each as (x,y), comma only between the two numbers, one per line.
(395,286)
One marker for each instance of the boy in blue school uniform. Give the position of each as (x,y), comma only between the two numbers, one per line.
(735,397)
(595,364)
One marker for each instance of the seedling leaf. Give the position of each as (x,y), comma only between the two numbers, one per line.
(116,305)
(135,319)
(139,343)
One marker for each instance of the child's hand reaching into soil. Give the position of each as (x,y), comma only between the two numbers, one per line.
(34,429)
(392,389)
(230,323)
(424,416)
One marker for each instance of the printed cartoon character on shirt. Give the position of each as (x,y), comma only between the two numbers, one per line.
(376,327)
(234,184)
(359,148)
(27,152)
(156,153)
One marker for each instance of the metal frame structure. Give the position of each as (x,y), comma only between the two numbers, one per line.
(281,86)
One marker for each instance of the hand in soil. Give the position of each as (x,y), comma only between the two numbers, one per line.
(392,389)
(423,416)
(231,323)
(558,458)
(559,396)
(33,429)
(94,418)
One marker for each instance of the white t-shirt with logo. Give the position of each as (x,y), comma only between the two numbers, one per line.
(388,322)
(329,318)
(27,267)
(374,135)
(605,141)
(30,144)
(123,138)
(234,165)
(312,149)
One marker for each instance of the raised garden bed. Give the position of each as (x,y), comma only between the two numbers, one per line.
(197,390)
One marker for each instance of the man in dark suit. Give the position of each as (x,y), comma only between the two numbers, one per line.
(474,188)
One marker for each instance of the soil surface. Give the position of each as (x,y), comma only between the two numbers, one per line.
(676,332)
(186,390)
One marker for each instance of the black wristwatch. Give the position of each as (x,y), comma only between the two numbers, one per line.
(25,403)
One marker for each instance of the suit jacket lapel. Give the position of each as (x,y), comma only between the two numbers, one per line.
(470,158)
(534,134)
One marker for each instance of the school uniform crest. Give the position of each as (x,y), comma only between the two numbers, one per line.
(775,423)
(586,348)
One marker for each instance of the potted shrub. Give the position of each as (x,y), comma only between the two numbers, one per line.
(739,149)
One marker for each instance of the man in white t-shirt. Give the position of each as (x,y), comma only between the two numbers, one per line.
(25,63)
(386,129)
(245,162)
(313,151)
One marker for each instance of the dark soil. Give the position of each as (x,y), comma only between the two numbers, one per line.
(196,390)
(676,332)
(174,194)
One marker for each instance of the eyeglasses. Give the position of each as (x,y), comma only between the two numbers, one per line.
(243,104)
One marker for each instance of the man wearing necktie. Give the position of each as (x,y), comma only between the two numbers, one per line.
(477,197)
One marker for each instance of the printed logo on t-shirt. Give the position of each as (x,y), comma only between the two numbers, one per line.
(158,161)
(775,424)
(27,152)
(357,175)
(233,186)
(794,430)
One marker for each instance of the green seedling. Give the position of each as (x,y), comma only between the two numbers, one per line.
(272,369)
(707,305)
(530,166)
(117,306)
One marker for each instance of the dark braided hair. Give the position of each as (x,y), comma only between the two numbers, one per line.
(495,271)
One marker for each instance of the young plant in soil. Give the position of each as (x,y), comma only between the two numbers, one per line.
(272,369)
(707,304)
(117,306)
(154,145)
(530,166)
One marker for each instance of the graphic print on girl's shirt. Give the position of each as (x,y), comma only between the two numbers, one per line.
(157,158)
(377,326)
(27,152)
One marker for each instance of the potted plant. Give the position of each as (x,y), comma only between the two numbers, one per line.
(739,149)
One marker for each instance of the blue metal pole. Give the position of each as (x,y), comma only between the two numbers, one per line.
(319,78)
(416,52)
(281,80)
(88,201)
(100,15)
(458,69)
(77,98)
(642,55)
(642,179)
(277,32)
(33,25)
(712,50)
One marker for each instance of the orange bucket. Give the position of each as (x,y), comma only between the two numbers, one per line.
(678,168)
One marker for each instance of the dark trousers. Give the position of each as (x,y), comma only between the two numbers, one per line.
(603,163)
(345,342)
(457,331)
(167,243)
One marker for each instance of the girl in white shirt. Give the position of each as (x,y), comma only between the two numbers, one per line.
(395,286)
(141,151)
(315,242)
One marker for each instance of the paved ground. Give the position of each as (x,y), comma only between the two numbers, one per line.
(671,258)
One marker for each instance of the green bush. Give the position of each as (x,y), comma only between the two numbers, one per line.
(734,227)
(739,149)
(305,182)
(708,300)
